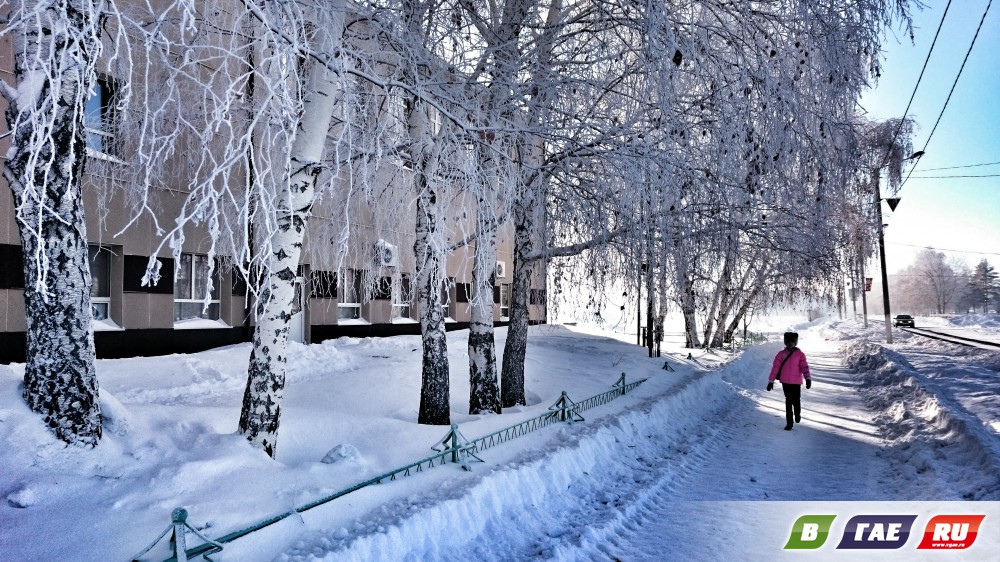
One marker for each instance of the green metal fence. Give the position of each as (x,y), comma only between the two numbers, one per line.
(453,448)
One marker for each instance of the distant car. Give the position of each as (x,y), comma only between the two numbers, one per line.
(903,320)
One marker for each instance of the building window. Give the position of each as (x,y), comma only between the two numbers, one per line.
(446,284)
(536,296)
(505,301)
(99,258)
(98,115)
(350,307)
(191,283)
(322,284)
(401,297)
(463,292)
(383,289)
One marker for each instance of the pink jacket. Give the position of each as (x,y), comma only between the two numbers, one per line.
(794,368)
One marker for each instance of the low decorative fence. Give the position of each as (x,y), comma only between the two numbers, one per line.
(453,448)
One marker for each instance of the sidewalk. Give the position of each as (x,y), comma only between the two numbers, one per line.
(832,455)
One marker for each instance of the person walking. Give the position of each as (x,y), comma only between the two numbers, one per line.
(790,368)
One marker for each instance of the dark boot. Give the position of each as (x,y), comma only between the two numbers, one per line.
(788,426)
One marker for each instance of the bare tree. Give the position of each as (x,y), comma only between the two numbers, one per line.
(940,281)
(579,120)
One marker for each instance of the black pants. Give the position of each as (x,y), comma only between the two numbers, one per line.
(793,401)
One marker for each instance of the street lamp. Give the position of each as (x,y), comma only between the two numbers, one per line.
(893,201)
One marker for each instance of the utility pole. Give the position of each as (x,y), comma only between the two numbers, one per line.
(881,255)
(650,332)
(864,290)
(638,311)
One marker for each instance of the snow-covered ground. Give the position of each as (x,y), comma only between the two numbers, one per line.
(674,470)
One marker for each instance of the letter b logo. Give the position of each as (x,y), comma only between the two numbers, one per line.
(809,532)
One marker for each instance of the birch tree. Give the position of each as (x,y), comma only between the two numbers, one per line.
(499,26)
(579,108)
(260,414)
(429,247)
(257,90)
(57,45)
(787,102)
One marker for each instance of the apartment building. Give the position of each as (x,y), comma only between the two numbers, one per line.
(365,292)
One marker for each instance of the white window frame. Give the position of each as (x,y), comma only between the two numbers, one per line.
(350,309)
(100,301)
(401,298)
(447,284)
(98,118)
(193,296)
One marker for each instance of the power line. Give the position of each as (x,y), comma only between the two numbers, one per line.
(944,249)
(968,176)
(950,92)
(922,276)
(965,166)
(915,86)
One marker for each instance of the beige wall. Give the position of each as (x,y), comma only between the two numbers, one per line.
(12,313)
(108,213)
(8,227)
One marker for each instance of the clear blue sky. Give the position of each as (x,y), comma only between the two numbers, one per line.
(958,216)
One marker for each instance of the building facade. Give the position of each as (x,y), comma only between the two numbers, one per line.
(364,292)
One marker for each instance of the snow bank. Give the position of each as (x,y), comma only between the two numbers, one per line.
(446,525)
(989,323)
(922,427)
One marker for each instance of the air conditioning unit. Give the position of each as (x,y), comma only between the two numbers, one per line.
(386,255)
(501,269)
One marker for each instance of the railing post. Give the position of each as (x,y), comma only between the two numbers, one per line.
(179,518)
(454,443)
(563,399)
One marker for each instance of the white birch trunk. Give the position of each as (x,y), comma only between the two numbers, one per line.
(741,312)
(525,228)
(720,299)
(54,58)
(729,301)
(435,392)
(261,412)
(686,299)
(484,393)
(690,319)
(484,389)
(430,235)
(683,279)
